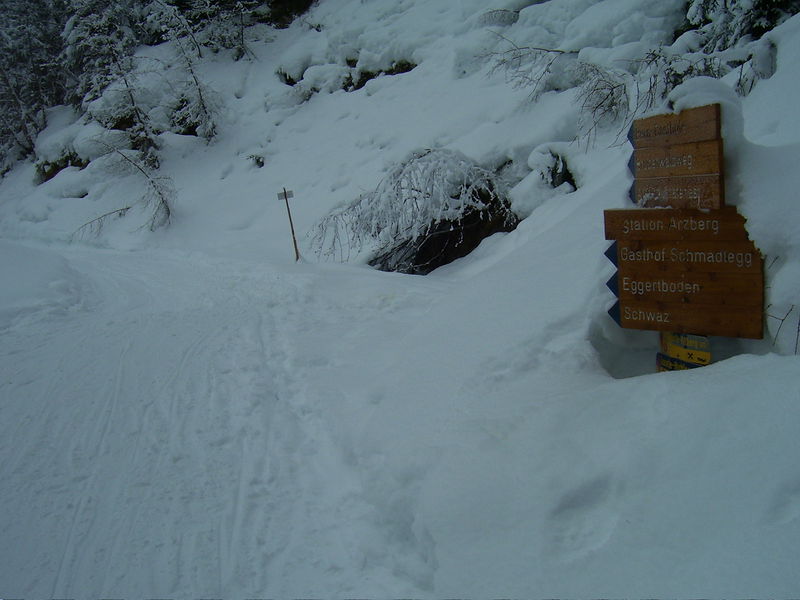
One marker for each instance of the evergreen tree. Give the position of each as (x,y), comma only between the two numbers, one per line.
(30,80)
(99,39)
(222,23)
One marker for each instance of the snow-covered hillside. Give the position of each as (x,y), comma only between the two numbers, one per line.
(189,412)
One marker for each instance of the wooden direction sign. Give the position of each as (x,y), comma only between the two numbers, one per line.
(686,271)
(681,256)
(728,321)
(692,125)
(719,289)
(682,224)
(689,191)
(689,267)
(678,160)
(695,158)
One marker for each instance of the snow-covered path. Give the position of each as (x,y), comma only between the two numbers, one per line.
(204,463)
(181,426)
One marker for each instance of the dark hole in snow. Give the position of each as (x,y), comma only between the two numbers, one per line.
(559,172)
(448,240)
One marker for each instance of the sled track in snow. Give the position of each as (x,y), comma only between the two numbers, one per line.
(204,463)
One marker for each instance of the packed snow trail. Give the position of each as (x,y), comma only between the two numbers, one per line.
(179,426)
(171,446)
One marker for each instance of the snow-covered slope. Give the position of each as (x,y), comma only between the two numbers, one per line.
(189,413)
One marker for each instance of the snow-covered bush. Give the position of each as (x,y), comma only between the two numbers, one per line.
(718,37)
(433,207)
(535,68)
(723,23)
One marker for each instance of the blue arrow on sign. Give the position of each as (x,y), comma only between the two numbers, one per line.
(611,253)
(632,163)
(613,285)
(615,314)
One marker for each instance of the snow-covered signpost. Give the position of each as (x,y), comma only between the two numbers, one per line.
(285,195)
(688,269)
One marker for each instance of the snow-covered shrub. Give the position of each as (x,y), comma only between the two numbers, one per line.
(718,38)
(47,169)
(724,23)
(538,69)
(434,207)
(663,71)
(604,97)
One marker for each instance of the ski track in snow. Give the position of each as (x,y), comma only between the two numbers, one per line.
(191,466)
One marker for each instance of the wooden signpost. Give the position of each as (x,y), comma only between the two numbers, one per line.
(685,264)
(678,160)
(285,195)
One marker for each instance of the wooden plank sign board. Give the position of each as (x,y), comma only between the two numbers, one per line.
(680,224)
(695,158)
(718,289)
(685,263)
(686,271)
(678,160)
(680,256)
(728,321)
(688,191)
(692,125)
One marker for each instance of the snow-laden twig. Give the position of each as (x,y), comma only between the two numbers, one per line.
(158,196)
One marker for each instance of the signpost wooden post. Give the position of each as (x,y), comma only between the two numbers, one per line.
(286,194)
(685,264)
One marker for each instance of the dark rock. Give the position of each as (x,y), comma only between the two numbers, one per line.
(448,240)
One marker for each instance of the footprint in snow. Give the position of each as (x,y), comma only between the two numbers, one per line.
(786,504)
(583,520)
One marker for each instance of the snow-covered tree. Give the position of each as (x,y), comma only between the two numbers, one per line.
(221,24)
(99,39)
(194,107)
(30,80)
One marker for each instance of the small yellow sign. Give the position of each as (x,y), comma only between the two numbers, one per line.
(682,351)
(690,355)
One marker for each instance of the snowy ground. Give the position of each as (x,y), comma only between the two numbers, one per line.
(189,413)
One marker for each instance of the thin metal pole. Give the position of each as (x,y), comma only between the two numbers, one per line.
(291,225)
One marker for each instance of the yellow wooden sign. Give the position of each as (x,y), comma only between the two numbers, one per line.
(689,348)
